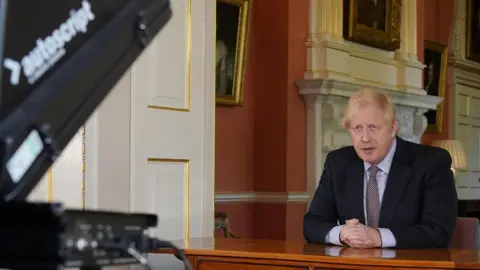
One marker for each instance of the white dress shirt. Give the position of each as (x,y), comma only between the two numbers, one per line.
(388,240)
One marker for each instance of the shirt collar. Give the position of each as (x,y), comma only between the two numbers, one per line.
(386,163)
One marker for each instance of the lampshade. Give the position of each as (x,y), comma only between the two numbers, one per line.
(455,148)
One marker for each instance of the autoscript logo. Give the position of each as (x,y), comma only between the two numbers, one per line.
(49,50)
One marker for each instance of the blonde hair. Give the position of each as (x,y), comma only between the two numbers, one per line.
(366,97)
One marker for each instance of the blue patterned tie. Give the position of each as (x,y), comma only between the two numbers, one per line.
(373,199)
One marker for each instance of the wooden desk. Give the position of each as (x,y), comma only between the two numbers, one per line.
(239,254)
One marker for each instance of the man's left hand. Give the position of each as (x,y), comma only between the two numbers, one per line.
(362,236)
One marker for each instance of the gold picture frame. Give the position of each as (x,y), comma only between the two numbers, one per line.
(472,50)
(435,80)
(370,29)
(232,20)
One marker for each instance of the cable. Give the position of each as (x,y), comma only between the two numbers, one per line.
(155,243)
(138,256)
(130,249)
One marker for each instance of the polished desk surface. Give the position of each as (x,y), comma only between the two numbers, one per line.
(301,252)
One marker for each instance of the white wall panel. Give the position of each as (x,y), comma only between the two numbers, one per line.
(175,131)
(173,57)
(172,210)
(157,153)
(67,174)
(64,181)
(466,112)
(108,147)
(41,191)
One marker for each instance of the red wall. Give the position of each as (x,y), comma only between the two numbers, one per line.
(262,146)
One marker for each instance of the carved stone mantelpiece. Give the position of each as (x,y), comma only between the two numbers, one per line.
(326,101)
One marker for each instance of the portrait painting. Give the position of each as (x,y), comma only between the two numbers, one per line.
(434,80)
(375,23)
(232,19)
(472,51)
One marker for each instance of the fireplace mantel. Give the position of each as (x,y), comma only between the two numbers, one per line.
(326,101)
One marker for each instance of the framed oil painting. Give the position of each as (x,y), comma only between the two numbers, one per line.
(472,51)
(375,23)
(231,50)
(434,80)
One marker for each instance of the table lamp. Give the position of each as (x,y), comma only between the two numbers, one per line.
(455,148)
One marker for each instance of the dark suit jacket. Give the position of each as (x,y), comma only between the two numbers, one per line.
(419,203)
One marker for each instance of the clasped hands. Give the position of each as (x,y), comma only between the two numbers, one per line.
(356,235)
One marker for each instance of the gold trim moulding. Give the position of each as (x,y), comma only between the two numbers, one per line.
(50,184)
(166,108)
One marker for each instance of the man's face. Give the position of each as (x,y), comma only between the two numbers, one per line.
(371,134)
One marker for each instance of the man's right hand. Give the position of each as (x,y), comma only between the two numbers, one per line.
(347,229)
(354,234)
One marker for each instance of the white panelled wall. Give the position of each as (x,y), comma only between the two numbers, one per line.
(150,146)
(465,105)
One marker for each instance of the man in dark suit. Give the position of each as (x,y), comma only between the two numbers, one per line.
(383,191)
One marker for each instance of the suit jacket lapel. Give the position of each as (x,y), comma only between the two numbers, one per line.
(354,187)
(398,179)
